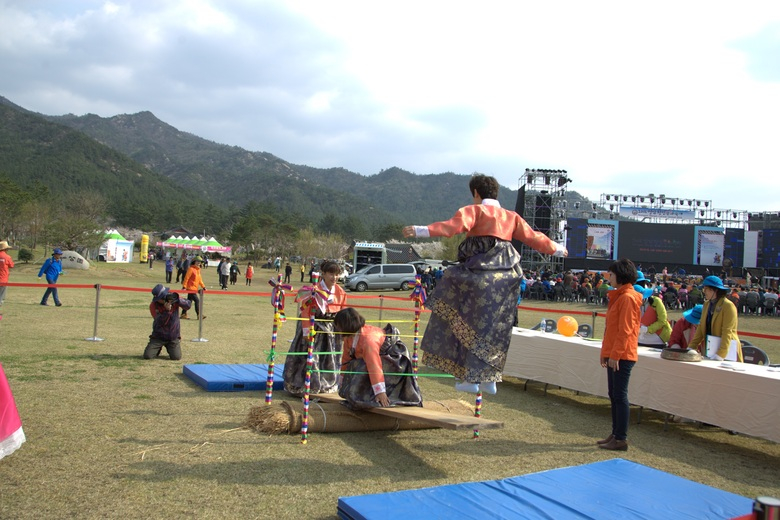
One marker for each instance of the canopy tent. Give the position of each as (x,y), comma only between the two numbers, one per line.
(207,245)
(113,234)
(116,248)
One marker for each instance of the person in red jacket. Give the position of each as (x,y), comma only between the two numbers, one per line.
(473,305)
(375,364)
(685,328)
(619,347)
(6,263)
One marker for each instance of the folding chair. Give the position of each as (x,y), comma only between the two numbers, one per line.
(754,355)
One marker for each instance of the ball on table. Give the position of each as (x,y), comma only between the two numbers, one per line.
(567,326)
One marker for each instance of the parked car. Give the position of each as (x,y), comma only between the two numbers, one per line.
(399,277)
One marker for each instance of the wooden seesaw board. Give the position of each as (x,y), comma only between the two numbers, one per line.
(416,413)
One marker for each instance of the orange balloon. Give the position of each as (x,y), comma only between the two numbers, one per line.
(567,326)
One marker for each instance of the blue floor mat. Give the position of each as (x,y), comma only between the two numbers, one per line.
(233,378)
(614,489)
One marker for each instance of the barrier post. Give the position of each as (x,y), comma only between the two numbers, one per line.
(381,305)
(97,306)
(200,338)
(593,323)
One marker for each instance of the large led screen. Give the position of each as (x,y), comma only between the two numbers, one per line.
(601,240)
(709,246)
(661,243)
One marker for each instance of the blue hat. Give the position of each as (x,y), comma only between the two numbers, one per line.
(159,292)
(641,280)
(57,251)
(693,315)
(644,291)
(713,281)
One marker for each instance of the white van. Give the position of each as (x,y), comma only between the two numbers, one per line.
(382,276)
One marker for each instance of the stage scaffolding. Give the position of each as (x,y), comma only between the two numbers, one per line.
(541,203)
(678,210)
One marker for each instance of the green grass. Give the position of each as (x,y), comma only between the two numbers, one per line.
(111,435)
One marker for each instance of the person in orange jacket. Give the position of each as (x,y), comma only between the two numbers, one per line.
(194,282)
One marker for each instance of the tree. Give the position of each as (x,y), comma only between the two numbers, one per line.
(451,244)
(81,221)
(306,243)
(25,255)
(388,232)
(35,216)
(12,198)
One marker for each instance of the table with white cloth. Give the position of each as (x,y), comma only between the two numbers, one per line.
(713,392)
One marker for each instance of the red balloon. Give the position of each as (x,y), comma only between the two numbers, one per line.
(567,326)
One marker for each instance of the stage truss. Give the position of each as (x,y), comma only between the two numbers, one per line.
(677,210)
(544,209)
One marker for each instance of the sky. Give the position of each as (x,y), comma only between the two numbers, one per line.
(679,98)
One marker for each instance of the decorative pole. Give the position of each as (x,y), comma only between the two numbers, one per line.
(312,303)
(419,297)
(478,411)
(277,300)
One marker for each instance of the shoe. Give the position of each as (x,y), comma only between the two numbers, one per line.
(488,388)
(58,304)
(184,317)
(203,317)
(44,304)
(615,445)
(472,388)
(605,441)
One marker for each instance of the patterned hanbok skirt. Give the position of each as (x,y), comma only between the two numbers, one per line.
(326,365)
(400,385)
(472,311)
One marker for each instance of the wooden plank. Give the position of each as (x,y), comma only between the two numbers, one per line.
(416,413)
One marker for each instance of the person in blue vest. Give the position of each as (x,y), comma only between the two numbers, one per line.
(52,268)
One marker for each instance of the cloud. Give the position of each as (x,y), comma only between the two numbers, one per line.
(624,97)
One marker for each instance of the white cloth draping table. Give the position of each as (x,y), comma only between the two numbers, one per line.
(744,401)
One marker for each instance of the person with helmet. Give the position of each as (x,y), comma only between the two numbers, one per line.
(166,329)
(716,338)
(193,282)
(52,268)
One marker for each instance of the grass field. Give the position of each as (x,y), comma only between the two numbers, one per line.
(110,435)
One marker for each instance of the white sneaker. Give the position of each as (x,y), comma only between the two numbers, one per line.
(463,386)
(488,388)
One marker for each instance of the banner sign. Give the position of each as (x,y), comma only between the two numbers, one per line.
(640,213)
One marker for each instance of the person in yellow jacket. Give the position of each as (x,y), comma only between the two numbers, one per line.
(193,282)
(718,324)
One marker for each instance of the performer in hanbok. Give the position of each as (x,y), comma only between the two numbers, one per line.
(11,433)
(323,304)
(375,364)
(471,308)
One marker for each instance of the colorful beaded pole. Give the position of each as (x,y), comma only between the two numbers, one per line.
(478,411)
(277,300)
(312,303)
(419,297)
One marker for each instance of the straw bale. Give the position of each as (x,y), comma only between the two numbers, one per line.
(287,417)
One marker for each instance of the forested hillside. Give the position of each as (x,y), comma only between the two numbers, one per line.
(154,176)
(35,152)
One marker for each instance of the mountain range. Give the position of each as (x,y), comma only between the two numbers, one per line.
(156,176)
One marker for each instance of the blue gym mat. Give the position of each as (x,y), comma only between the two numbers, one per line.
(233,378)
(614,489)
